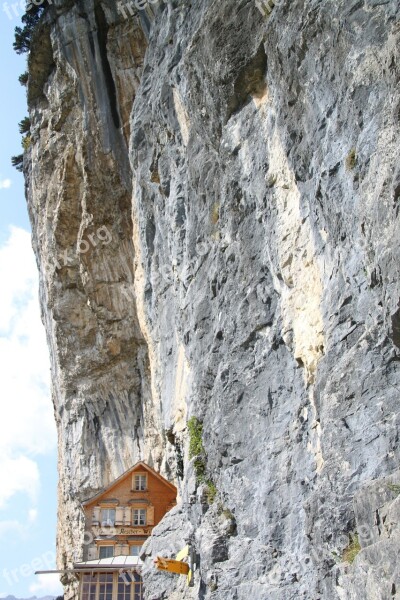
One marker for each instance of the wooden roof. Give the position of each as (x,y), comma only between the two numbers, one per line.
(138,466)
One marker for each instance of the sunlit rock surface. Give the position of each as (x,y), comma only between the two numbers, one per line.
(214,197)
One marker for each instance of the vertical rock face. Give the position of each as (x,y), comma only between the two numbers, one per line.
(80,205)
(214,196)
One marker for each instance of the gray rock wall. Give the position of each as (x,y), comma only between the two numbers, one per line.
(245,272)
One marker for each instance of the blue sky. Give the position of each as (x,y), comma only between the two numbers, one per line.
(27,431)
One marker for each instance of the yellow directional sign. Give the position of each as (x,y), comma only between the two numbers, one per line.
(171,565)
(183,553)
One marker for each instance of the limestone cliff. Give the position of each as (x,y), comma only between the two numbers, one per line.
(214,195)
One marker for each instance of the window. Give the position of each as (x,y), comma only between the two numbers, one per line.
(105,586)
(108,517)
(100,586)
(139,516)
(140,483)
(130,587)
(106,551)
(124,588)
(97,586)
(134,550)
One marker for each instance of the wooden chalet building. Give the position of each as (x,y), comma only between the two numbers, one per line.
(118,520)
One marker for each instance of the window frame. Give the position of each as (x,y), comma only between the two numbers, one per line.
(138,546)
(107,522)
(135,590)
(140,477)
(139,511)
(103,546)
(93,586)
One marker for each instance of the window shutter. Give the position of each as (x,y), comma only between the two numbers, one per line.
(92,553)
(119,515)
(127,515)
(150,515)
(96,515)
(125,550)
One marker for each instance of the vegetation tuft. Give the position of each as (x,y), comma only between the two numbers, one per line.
(26,142)
(195,428)
(211,491)
(352,549)
(351,159)
(394,487)
(215,213)
(196,451)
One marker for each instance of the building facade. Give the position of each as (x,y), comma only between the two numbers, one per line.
(118,520)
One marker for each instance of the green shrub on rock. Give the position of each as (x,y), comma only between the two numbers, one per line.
(24,125)
(23,35)
(18,162)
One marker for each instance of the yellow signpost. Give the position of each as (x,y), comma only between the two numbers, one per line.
(176,565)
(172,566)
(183,553)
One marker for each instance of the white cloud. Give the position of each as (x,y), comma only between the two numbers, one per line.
(18,275)
(47,585)
(11,527)
(5,184)
(18,475)
(27,424)
(32,515)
